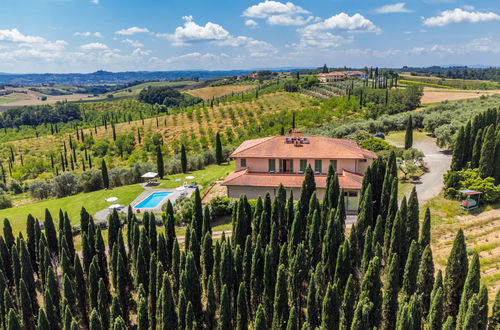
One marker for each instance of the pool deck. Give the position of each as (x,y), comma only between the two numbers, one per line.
(175,194)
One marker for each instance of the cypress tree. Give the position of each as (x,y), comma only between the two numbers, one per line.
(476,149)
(104,173)
(496,161)
(482,299)
(308,188)
(218,149)
(225,310)
(390,298)
(25,306)
(183,159)
(260,322)
(371,289)
(269,282)
(425,279)
(168,318)
(425,235)
(192,283)
(159,162)
(486,161)
(312,308)
(242,313)
(42,323)
(458,157)
(411,270)
(435,317)
(95,321)
(471,287)
(494,320)
(119,324)
(50,232)
(409,133)
(207,258)
(456,272)
(330,309)
(292,323)
(211,305)
(103,304)
(280,313)
(471,318)
(142,315)
(412,218)
(13,321)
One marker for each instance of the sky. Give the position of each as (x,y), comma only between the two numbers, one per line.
(62,36)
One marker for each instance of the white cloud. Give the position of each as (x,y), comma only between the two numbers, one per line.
(251,22)
(14,35)
(140,52)
(131,31)
(459,15)
(95,1)
(93,46)
(133,43)
(89,34)
(278,13)
(192,32)
(344,22)
(393,8)
(321,40)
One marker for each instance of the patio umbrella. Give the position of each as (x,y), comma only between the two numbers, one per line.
(180,188)
(115,206)
(112,199)
(189,177)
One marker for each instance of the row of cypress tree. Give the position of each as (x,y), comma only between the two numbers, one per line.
(287,265)
(477,145)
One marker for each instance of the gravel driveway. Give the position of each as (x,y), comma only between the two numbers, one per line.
(438,162)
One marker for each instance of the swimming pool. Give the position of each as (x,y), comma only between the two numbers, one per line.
(152,200)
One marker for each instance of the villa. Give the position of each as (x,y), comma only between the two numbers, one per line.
(263,164)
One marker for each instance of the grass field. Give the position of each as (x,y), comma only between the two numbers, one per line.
(454,83)
(217,91)
(421,83)
(434,95)
(7,100)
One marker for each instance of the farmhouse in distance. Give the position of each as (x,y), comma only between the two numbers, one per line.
(263,164)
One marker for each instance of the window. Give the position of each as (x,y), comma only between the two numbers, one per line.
(243,162)
(363,160)
(303,165)
(333,162)
(272,165)
(318,166)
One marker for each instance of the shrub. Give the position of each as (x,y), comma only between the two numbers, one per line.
(120,177)
(40,189)
(184,209)
(376,145)
(5,201)
(220,206)
(14,187)
(91,180)
(65,184)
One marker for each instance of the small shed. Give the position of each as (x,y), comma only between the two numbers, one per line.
(150,177)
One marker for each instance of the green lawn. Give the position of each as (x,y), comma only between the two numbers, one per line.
(397,138)
(93,202)
(6,100)
(204,177)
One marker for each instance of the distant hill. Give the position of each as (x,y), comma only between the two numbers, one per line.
(105,77)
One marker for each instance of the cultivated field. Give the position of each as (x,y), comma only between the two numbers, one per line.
(217,91)
(23,96)
(434,95)
(481,230)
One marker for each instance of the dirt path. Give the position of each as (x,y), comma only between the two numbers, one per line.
(438,161)
(215,235)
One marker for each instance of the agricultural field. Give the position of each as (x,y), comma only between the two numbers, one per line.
(435,95)
(453,83)
(24,96)
(482,232)
(207,93)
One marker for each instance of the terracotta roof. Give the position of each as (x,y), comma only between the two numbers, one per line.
(347,180)
(335,73)
(318,147)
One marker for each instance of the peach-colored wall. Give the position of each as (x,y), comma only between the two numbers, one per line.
(261,165)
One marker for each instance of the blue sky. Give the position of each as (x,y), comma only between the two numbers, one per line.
(130,35)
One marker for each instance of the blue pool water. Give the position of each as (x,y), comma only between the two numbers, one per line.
(152,200)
